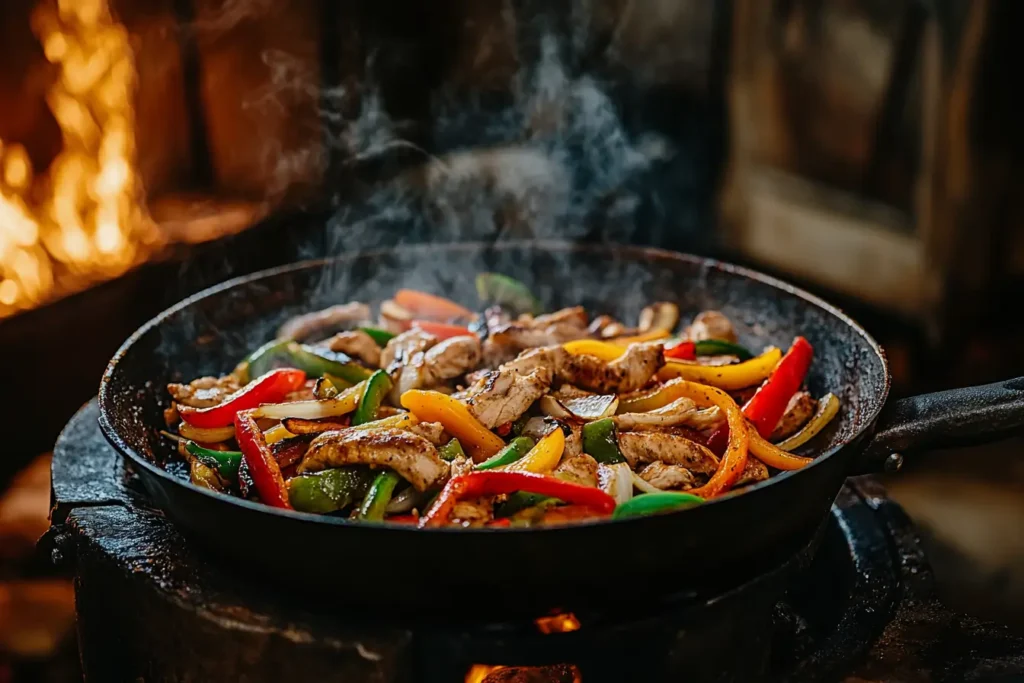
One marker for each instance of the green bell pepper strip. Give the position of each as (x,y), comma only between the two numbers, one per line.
(451,450)
(225,462)
(519,501)
(328,491)
(377,498)
(508,292)
(376,501)
(382,337)
(601,442)
(719,347)
(315,361)
(515,450)
(651,503)
(376,391)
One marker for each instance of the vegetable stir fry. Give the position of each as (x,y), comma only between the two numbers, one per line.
(435,415)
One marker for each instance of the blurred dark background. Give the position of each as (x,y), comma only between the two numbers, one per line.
(867,149)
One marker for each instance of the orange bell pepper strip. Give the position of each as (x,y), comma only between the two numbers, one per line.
(433,406)
(430,305)
(656,335)
(441,330)
(772,455)
(543,457)
(606,351)
(734,460)
(729,377)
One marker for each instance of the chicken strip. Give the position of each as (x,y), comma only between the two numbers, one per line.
(409,454)
(628,372)
(711,325)
(323,322)
(204,392)
(666,447)
(431,431)
(356,344)
(579,469)
(799,410)
(502,396)
(680,412)
(472,512)
(504,342)
(754,472)
(402,348)
(668,477)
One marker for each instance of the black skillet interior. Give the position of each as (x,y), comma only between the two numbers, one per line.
(209,333)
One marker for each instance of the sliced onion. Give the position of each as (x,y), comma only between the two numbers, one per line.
(828,408)
(297,425)
(583,408)
(404,501)
(644,485)
(662,315)
(616,480)
(342,404)
(213,435)
(538,427)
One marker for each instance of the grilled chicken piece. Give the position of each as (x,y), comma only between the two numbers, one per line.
(666,447)
(502,396)
(579,469)
(628,372)
(325,321)
(754,472)
(205,391)
(711,325)
(668,477)
(574,316)
(401,348)
(460,466)
(554,358)
(527,332)
(573,441)
(472,513)
(567,392)
(431,431)
(607,327)
(356,344)
(409,454)
(451,358)
(799,410)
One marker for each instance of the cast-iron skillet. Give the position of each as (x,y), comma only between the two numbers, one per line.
(459,570)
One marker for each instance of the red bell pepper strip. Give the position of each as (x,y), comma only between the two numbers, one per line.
(766,406)
(269,388)
(263,468)
(442,330)
(494,482)
(684,350)
(430,305)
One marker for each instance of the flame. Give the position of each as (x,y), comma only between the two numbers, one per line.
(85,220)
(559,623)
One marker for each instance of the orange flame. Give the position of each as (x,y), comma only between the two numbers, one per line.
(559,623)
(86,220)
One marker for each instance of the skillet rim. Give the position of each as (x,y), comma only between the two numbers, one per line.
(632,252)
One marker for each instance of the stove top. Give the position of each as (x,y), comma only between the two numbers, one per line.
(857,605)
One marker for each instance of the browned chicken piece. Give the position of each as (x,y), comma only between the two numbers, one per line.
(431,431)
(323,322)
(668,477)
(573,441)
(409,454)
(356,344)
(711,325)
(568,392)
(205,391)
(628,372)
(754,472)
(799,410)
(559,673)
(666,447)
(472,513)
(449,359)
(579,469)
(607,327)
(502,396)
(678,412)
(460,466)
(574,316)
(393,318)
(554,358)
(402,348)
(527,332)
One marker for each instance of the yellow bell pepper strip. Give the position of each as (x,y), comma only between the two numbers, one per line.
(652,400)
(734,460)
(606,351)
(772,455)
(543,457)
(277,433)
(828,408)
(654,335)
(432,406)
(400,421)
(728,377)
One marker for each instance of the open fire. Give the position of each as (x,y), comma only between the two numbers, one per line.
(85,219)
(561,673)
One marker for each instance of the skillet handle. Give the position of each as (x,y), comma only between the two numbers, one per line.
(944,419)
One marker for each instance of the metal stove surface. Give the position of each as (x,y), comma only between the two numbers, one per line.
(153,607)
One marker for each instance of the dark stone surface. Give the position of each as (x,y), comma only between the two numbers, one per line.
(154,607)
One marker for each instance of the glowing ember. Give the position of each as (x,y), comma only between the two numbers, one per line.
(561,673)
(85,220)
(478,672)
(561,623)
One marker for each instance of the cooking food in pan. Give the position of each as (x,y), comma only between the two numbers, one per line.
(435,415)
